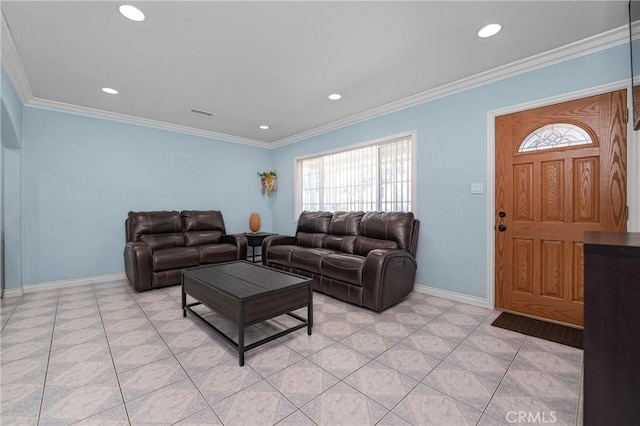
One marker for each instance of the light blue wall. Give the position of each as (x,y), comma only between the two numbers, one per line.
(11,114)
(82,175)
(452,152)
(11,160)
(11,206)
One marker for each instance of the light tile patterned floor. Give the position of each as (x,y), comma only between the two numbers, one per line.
(104,354)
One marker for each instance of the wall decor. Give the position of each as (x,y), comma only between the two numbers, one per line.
(268,182)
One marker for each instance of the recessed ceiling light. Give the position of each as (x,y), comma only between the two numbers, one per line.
(335,96)
(131,12)
(109,90)
(489,30)
(263,127)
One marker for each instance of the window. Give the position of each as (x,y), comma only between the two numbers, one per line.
(377,176)
(556,135)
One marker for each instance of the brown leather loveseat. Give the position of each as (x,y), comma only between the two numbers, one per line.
(160,244)
(364,258)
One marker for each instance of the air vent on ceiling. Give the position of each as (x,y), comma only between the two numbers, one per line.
(201,112)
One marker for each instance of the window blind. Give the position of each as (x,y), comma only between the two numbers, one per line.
(375,177)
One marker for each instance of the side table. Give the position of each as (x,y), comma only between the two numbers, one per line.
(254,239)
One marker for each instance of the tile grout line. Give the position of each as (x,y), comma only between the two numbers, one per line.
(580,393)
(540,398)
(178,361)
(183,368)
(503,375)
(361,367)
(172,354)
(374,359)
(484,411)
(13,309)
(419,381)
(368,362)
(265,378)
(436,366)
(115,371)
(479,328)
(427,375)
(311,361)
(46,372)
(111,355)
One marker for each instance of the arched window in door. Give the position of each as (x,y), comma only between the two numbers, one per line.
(555,135)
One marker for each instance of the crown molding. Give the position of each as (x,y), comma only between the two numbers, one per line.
(115,116)
(617,36)
(13,65)
(608,39)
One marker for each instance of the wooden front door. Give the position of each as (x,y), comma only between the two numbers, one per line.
(560,171)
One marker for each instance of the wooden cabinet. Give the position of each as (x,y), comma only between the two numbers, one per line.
(611,328)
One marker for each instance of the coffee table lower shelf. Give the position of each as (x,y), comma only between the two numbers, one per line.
(240,346)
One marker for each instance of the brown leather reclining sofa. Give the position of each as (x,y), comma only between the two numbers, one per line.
(160,244)
(367,259)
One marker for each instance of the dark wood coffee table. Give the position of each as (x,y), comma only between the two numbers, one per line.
(247,293)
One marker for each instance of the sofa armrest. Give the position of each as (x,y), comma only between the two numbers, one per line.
(278,240)
(137,264)
(238,240)
(275,240)
(389,276)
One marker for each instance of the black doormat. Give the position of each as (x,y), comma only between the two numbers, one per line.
(544,330)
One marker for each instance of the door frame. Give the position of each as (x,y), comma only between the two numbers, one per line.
(633,166)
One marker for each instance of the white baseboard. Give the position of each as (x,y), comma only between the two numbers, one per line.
(12,292)
(452,295)
(55,285)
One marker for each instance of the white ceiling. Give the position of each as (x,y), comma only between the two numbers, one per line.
(274,63)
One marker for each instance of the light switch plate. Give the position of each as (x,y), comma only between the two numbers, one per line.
(477,188)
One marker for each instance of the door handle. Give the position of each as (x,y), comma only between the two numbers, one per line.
(501,227)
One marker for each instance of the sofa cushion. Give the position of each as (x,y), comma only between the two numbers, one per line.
(364,245)
(214,253)
(160,241)
(196,238)
(345,223)
(393,226)
(344,267)
(309,259)
(158,222)
(203,220)
(341,243)
(305,239)
(281,254)
(174,258)
(314,222)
